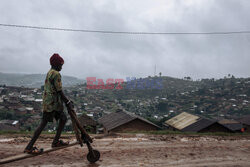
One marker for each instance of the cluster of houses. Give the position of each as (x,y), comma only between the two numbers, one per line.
(20,100)
(218,100)
(123,121)
(20,105)
(98,117)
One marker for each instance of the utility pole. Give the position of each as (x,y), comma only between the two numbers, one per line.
(155,70)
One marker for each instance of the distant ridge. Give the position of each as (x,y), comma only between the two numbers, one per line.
(34,80)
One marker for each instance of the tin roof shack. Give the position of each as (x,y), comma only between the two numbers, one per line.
(88,123)
(181,121)
(6,125)
(233,125)
(123,121)
(186,122)
(246,122)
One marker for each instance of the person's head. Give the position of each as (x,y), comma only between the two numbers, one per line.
(56,61)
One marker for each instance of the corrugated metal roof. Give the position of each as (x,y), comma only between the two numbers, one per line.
(231,124)
(85,120)
(228,121)
(199,125)
(119,118)
(245,120)
(234,127)
(182,120)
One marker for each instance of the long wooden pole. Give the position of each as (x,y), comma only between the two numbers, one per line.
(82,130)
(25,155)
(75,125)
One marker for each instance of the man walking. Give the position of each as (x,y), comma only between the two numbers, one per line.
(53,98)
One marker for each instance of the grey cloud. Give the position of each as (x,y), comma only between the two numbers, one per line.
(109,55)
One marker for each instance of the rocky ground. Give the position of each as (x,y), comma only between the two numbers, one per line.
(138,150)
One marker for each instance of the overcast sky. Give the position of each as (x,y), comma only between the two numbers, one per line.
(121,56)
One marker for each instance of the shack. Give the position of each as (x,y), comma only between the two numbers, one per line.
(123,121)
(233,125)
(7,125)
(186,122)
(88,123)
(245,120)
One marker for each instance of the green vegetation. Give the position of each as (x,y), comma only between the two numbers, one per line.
(215,99)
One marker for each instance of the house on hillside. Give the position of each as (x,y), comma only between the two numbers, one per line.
(20,111)
(181,121)
(186,122)
(88,123)
(246,122)
(6,125)
(123,121)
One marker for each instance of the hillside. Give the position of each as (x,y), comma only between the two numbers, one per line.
(33,80)
(216,99)
(223,98)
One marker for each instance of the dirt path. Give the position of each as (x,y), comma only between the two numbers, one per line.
(141,150)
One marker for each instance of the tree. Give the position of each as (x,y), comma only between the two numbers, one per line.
(188,78)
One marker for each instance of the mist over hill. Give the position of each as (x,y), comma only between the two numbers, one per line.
(34,80)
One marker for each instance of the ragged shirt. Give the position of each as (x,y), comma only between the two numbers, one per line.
(51,98)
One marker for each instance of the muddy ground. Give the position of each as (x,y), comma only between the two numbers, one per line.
(128,150)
